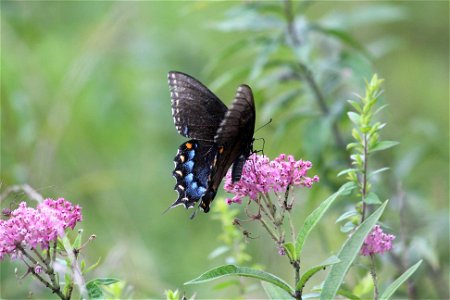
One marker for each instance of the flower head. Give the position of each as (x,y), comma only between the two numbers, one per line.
(261,175)
(30,227)
(377,242)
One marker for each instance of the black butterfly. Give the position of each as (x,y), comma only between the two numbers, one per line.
(220,137)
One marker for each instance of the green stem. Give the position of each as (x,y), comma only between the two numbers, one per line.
(272,234)
(374,276)
(364,179)
(54,286)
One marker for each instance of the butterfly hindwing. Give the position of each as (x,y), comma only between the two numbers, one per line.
(196,111)
(192,171)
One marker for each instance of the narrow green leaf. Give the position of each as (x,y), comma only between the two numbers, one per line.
(312,220)
(290,251)
(383,145)
(104,281)
(92,267)
(348,294)
(354,117)
(347,255)
(343,172)
(309,273)
(274,292)
(356,105)
(347,227)
(380,109)
(347,215)
(241,271)
(356,135)
(77,243)
(372,198)
(218,251)
(390,290)
(378,171)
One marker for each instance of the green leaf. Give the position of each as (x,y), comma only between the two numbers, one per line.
(218,251)
(383,145)
(377,171)
(348,253)
(92,267)
(347,227)
(372,198)
(347,215)
(354,117)
(77,243)
(94,287)
(390,290)
(312,220)
(356,105)
(343,172)
(274,292)
(94,291)
(290,251)
(228,270)
(380,109)
(348,294)
(309,273)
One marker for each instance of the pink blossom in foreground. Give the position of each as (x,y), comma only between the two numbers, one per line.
(32,227)
(377,242)
(261,175)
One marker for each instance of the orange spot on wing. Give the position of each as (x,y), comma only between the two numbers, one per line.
(188,145)
(220,150)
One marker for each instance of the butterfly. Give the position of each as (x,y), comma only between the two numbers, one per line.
(219,137)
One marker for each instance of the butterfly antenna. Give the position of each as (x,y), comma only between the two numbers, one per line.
(270,121)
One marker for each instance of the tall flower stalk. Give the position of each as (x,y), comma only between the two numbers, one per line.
(268,184)
(367,141)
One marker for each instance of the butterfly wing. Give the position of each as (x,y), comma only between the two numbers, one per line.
(234,140)
(196,111)
(193,164)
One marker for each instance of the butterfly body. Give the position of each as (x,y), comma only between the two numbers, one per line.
(220,137)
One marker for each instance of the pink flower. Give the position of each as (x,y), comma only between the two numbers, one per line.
(31,227)
(260,176)
(377,242)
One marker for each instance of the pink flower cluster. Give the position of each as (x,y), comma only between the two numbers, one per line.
(377,242)
(261,175)
(31,227)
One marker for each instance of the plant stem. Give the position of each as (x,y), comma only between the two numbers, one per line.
(54,286)
(364,179)
(272,234)
(374,276)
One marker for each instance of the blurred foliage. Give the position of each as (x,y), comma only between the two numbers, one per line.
(86,115)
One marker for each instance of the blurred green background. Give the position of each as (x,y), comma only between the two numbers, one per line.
(85,115)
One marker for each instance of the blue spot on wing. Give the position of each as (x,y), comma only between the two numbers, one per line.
(188,166)
(189,178)
(196,191)
(191,154)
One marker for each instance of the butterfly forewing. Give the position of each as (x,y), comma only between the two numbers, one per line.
(234,140)
(196,111)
